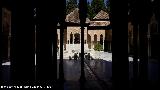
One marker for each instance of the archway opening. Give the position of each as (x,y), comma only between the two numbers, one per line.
(71,38)
(89,41)
(95,39)
(101,39)
(77,38)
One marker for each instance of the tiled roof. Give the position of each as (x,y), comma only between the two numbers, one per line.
(73,17)
(102,15)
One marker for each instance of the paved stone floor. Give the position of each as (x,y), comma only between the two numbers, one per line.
(98,73)
(72,72)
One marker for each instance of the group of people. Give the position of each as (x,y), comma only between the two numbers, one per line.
(76,56)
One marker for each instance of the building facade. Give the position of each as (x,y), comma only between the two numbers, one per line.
(96,31)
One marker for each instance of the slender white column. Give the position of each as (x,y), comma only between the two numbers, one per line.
(103,45)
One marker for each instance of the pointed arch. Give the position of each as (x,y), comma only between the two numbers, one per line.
(77,38)
(89,41)
(71,38)
(101,39)
(95,38)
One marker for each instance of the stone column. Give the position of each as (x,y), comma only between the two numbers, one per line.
(73,38)
(85,34)
(68,36)
(68,39)
(103,41)
(1,46)
(82,16)
(128,39)
(80,36)
(110,46)
(62,27)
(23,44)
(149,45)
(103,45)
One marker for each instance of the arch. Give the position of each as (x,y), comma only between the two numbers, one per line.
(71,38)
(89,41)
(95,39)
(76,38)
(101,39)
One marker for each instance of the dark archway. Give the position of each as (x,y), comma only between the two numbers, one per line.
(77,38)
(89,41)
(95,39)
(71,38)
(101,39)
